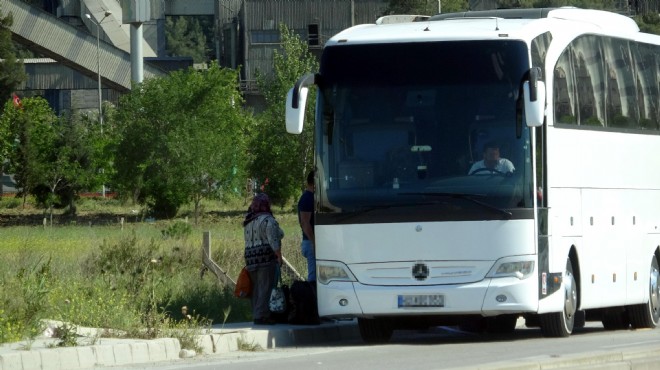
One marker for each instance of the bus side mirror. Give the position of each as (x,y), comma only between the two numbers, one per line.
(295,116)
(534,96)
(296,101)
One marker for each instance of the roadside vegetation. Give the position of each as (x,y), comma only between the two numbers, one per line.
(138,279)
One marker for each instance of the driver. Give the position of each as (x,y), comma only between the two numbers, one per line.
(492,163)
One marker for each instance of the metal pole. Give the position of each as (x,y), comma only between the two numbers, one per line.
(98,60)
(137,61)
(98,71)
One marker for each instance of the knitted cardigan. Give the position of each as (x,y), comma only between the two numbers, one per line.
(263,236)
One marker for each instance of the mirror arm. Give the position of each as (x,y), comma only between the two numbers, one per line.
(534,76)
(304,81)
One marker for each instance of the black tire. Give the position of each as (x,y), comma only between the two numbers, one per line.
(374,331)
(580,319)
(647,315)
(532,321)
(615,319)
(560,324)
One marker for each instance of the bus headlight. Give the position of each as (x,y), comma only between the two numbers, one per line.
(512,266)
(327,271)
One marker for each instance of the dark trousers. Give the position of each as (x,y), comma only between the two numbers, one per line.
(263,281)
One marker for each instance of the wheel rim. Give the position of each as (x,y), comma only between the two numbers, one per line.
(570,297)
(654,298)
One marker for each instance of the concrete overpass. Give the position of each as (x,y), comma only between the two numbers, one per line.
(75,46)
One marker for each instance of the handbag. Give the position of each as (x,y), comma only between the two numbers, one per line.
(243,287)
(277,301)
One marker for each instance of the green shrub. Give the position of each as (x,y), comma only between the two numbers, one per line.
(11,202)
(24,301)
(177,230)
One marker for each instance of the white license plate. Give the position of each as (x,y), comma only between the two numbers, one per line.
(421,300)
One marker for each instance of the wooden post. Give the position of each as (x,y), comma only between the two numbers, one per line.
(209,264)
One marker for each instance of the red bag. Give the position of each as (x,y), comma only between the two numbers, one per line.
(243,287)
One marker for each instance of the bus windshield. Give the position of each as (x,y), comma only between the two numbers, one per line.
(406,124)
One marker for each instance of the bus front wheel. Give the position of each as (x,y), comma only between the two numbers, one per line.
(375,330)
(560,324)
(647,315)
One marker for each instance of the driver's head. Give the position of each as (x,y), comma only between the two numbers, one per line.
(491,153)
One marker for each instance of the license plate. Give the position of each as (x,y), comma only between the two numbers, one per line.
(421,300)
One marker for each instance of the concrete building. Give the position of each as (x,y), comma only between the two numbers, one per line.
(245,35)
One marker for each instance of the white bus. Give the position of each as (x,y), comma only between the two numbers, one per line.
(408,234)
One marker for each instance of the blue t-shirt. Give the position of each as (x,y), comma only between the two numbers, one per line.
(306,204)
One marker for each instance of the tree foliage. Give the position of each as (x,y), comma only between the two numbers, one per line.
(182,139)
(649,22)
(53,158)
(12,72)
(281,158)
(185,37)
(425,7)
(29,130)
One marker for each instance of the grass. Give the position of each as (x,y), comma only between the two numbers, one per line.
(132,278)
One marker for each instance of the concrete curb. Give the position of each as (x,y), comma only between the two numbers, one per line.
(640,358)
(107,353)
(115,352)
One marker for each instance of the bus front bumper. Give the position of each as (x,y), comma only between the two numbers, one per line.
(488,297)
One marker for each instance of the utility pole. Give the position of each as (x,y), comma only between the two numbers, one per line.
(98,59)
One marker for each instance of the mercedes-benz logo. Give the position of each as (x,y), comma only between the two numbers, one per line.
(420,271)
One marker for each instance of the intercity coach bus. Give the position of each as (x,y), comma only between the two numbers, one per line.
(481,167)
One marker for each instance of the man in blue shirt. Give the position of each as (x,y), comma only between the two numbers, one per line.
(306,220)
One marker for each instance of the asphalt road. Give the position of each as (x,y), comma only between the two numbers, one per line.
(449,348)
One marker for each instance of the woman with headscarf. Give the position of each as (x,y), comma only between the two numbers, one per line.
(263,251)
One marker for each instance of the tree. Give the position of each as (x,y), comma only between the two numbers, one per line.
(182,140)
(281,158)
(28,129)
(185,37)
(649,22)
(53,158)
(78,158)
(12,72)
(425,7)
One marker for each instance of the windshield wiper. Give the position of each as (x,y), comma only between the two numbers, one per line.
(507,215)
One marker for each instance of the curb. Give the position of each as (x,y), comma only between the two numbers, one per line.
(117,352)
(87,357)
(641,358)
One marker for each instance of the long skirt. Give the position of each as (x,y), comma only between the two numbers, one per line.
(263,281)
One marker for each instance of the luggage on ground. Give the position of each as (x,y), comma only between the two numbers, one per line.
(303,309)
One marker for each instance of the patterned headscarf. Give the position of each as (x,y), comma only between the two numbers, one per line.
(260,205)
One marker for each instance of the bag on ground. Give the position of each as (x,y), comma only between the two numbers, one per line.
(283,317)
(277,302)
(303,308)
(243,287)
